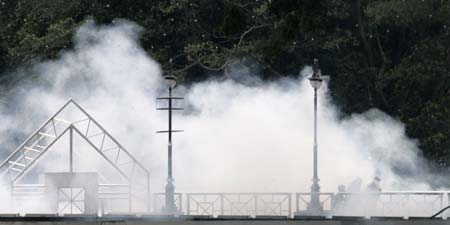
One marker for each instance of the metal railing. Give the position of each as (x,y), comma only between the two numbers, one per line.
(243,204)
(395,203)
(159,200)
(399,204)
(302,201)
(28,192)
(112,197)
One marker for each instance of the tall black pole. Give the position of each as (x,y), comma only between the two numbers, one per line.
(315,177)
(170,188)
(315,207)
(170,206)
(170,136)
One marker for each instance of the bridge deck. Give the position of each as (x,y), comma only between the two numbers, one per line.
(49,219)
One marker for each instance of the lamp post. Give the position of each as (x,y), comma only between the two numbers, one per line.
(315,206)
(170,206)
(170,188)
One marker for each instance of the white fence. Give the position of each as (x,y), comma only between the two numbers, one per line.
(251,204)
(395,204)
(398,204)
(392,204)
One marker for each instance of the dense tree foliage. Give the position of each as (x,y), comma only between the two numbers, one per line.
(389,54)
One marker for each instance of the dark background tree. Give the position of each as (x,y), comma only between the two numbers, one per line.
(389,54)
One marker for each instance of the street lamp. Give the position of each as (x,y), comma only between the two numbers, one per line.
(315,206)
(170,82)
(170,206)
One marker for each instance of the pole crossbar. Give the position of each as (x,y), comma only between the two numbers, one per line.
(169,108)
(166,98)
(167,131)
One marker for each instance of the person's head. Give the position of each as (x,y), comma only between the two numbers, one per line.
(341,188)
(377,179)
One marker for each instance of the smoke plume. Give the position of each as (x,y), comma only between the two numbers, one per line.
(250,136)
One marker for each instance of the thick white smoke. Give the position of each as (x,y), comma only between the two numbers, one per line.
(238,137)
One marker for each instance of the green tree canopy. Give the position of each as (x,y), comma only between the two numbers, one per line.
(389,54)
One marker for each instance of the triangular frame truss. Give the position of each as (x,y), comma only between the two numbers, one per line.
(26,156)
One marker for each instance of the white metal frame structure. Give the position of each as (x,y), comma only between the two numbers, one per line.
(26,156)
(71,200)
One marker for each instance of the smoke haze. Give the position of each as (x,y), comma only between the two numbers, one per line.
(250,136)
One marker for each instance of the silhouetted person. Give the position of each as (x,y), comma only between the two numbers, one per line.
(339,198)
(375,185)
(373,194)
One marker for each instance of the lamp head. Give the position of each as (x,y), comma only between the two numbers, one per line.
(315,79)
(170,81)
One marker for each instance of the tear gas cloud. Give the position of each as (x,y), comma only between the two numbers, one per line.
(239,136)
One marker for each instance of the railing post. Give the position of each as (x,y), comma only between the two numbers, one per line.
(103,207)
(289,205)
(255,197)
(12,200)
(155,198)
(130,200)
(408,199)
(188,204)
(448,202)
(149,194)
(180,196)
(445,201)
(332,202)
(222,204)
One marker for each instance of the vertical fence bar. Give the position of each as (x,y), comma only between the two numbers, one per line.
(180,196)
(188,204)
(149,195)
(289,205)
(154,203)
(129,198)
(222,204)
(255,197)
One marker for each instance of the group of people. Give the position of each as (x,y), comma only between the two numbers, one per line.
(348,196)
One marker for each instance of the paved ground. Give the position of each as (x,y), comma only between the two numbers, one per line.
(164,220)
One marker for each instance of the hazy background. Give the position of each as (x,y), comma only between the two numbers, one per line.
(241,134)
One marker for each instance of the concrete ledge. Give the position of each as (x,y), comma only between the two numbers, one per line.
(349,218)
(271,218)
(9,215)
(229,217)
(52,219)
(78,215)
(386,218)
(195,217)
(118,217)
(424,218)
(304,217)
(40,215)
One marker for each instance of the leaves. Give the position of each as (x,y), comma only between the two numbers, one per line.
(393,55)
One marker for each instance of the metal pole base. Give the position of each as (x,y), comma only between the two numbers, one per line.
(170,206)
(315,206)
